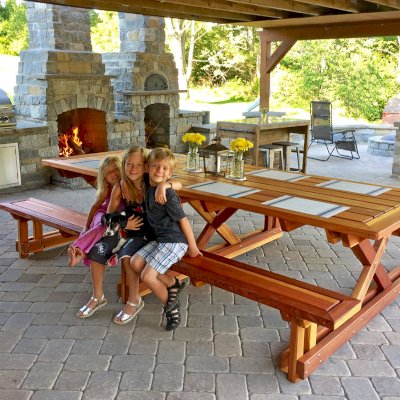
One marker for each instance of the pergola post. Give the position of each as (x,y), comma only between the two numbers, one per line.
(268,62)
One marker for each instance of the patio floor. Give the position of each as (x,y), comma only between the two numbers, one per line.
(227,347)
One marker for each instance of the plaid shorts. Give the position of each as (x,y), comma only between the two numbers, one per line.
(161,256)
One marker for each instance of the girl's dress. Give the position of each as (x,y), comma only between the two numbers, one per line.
(95,232)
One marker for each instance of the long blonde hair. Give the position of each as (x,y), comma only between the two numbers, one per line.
(131,186)
(102,184)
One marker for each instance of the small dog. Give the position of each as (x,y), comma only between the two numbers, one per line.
(115,224)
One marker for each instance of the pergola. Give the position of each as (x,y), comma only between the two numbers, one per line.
(283,21)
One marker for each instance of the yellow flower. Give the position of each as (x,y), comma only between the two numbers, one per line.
(193,138)
(240,145)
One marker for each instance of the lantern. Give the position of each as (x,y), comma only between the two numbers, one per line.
(213,157)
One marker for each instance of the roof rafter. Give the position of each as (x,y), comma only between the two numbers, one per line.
(286,5)
(343,5)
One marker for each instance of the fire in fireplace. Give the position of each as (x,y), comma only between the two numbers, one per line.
(81,131)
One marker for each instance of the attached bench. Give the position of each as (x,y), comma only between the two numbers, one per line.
(68,224)
(303,305)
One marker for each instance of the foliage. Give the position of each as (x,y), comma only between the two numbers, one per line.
(104,31)
(356,74)
(13,28)
(225,53)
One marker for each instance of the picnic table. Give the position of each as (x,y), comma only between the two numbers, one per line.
(360,216)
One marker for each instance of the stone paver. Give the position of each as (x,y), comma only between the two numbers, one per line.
(227,347)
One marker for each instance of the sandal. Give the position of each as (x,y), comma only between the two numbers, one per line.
(173,317)
(173,293)
(86,311)
(125,318)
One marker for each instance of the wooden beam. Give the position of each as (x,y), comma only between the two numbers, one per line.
(278,54)
(233,6)
(325,20)
(285,5)
(265,77)
(388,3)
(335,31)
(159,10)
(343,5)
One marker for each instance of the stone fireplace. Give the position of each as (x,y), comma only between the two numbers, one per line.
(113,100)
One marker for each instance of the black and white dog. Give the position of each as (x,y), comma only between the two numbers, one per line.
(115,224)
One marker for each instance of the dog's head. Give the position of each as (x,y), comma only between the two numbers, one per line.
(114,222)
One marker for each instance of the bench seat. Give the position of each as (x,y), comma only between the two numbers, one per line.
(305,306)
(68,224)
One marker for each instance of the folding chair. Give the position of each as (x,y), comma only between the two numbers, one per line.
(322,132)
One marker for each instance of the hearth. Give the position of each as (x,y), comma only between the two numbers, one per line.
(81,131)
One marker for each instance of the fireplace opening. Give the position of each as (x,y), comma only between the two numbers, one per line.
(81,131)
(156,125)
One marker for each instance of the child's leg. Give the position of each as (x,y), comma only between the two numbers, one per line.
(158,286)
(97,300)
(134,303)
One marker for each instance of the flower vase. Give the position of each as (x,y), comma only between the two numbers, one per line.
(237,167)
(193,159)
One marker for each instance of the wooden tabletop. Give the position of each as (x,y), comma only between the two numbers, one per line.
(366,216)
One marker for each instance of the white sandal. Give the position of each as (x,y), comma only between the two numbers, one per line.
(125,318)
(86,311)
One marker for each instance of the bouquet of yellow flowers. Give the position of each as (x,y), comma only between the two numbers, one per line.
(193,139)
(240,145)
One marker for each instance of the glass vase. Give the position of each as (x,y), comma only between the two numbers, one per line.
(236,170)
(193,159)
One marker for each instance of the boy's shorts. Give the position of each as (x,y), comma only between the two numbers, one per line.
(162,255)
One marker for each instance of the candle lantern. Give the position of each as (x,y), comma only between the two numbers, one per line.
(215,157)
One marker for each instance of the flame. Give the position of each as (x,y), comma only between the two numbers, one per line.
(72,135)
(76,139)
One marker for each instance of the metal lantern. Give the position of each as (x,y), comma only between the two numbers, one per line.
(213,157)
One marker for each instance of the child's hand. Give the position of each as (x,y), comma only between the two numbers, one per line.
(125,192)
(134,223)
(193,251)
(161,192)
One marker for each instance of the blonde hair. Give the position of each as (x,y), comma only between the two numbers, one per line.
(131,186)
(102,184)
(162,153)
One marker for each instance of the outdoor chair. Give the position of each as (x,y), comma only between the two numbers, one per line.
(344,143)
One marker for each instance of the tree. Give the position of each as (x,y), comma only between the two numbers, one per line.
(181,36)
(104,31)
(13,28)
(354,73)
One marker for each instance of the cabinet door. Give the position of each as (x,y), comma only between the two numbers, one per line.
(10,174)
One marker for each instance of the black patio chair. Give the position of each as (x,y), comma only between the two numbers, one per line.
(344,142)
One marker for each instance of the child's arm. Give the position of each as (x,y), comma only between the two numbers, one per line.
(193,250)
(115,200)
(99,201)
(161,191)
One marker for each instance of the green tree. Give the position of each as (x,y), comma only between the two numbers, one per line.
(356,74)
(104,31)
(13,28)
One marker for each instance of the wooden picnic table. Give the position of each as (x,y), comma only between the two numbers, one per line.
(271,130)
(360,216)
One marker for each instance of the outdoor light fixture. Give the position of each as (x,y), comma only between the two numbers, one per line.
(212,157)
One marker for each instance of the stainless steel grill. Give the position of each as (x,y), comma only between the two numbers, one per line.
(7,116)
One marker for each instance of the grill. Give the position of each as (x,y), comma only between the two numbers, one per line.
(7,116)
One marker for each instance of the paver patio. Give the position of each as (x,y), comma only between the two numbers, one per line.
(227,347)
